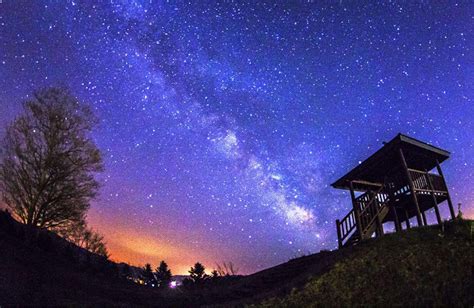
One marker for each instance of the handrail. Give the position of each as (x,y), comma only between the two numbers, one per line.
(370,206)
(372,220)
(372,209)
(346,225)
(421,182)
(347,216)
(377,195)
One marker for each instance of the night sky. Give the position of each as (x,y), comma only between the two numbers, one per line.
(222,125)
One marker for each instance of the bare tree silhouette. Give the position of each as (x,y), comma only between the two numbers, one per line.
(48,161)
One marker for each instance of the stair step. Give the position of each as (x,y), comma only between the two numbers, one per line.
(355,238)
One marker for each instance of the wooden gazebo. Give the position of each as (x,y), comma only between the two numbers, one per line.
(393,185)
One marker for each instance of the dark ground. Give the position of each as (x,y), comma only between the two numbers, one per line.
(39,268)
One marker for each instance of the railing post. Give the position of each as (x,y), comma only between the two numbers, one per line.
(398,225)
(356,210)
(450,204)
(391,204)
(425,221)
(407,220)
(412,188)
(378,221)
(339,236)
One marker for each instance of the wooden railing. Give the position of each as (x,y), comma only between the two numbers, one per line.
(398,184)
(371,210)
(369,205)
(364,200)
(420,181)
(345,226)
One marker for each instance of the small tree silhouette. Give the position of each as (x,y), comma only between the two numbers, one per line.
(197,273)
(148,276)
(227,269)
(163,275)
(87,238)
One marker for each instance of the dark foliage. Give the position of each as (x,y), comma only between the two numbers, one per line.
(35,272)
(163,275)
(197,275)
(48,161)
(85,237)
(47,167)
(148,277)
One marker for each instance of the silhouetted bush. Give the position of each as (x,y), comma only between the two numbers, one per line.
(148,277)
(163,275)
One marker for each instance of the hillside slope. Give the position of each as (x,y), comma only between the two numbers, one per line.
(425,266)
(39,268)
(419,266)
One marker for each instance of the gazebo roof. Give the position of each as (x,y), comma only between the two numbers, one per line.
(372,171)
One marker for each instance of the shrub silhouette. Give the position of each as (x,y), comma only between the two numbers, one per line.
(163,275)
(197,275)
(147,276)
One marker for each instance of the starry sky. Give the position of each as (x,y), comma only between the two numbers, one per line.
(223,124)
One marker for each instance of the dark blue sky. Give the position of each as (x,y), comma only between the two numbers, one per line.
(222,125)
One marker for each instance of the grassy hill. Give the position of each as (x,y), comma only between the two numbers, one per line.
(423,266)
(39,268)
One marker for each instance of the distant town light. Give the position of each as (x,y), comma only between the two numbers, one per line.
(173,284)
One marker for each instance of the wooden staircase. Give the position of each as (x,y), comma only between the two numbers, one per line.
(398,183)
(372,208)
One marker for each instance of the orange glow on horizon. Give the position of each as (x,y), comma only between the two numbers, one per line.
(128,245)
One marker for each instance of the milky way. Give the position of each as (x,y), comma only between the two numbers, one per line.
(222,125)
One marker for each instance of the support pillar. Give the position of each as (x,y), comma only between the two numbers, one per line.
(391,204)
(412,188)
(425,222)
(435,202)
(398,226)
(450,203)
(379,221)
(381,230)
(407,219)
(356,210)
(339,236)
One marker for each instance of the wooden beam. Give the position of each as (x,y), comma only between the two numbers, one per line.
(391,204)
(412,188)
(450,203)
(367,183)
(425,222)
(398,225)
(355,205)
(435,202)
(380,227)
(407,219)
(339,236)
(378,221)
